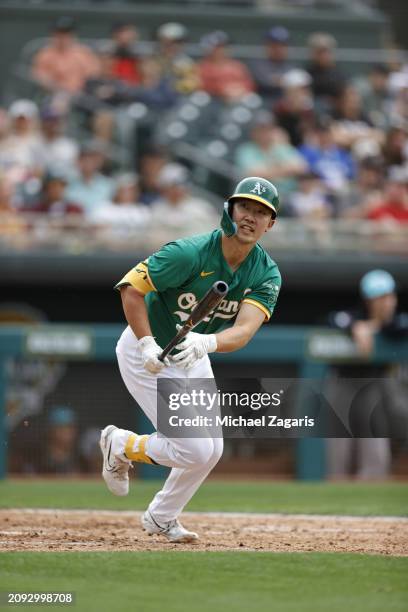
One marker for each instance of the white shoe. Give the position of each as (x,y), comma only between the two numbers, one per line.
(115,470)
(173,530)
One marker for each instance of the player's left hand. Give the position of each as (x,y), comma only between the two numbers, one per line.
(193,347)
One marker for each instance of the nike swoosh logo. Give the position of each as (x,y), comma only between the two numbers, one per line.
(203,274)
(108,457)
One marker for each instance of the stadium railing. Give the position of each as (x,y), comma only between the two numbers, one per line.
(74,236)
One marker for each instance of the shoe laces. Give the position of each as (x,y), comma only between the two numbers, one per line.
(173,523)
(121,469)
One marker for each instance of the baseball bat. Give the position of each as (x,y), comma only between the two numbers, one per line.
(201,310)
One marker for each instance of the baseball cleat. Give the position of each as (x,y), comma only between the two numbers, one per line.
(115,471)
(173,530)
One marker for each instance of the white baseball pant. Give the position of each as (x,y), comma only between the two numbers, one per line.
(192,459)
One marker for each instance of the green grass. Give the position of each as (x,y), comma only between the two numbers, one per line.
(202,582)
(243,496)
(210,582)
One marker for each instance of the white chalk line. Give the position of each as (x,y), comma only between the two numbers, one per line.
(243,515)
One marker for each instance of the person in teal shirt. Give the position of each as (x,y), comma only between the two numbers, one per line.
(90,188)
(269,153)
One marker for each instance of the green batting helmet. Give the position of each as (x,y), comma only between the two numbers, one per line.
(251,188)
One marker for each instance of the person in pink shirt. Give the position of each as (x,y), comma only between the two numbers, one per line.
(64,64)
(220,75)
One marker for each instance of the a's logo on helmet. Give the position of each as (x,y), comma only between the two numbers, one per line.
(259,189)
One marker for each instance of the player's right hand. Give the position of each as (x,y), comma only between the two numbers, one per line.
(150,352)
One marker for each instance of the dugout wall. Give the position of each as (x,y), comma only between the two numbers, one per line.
(310,349)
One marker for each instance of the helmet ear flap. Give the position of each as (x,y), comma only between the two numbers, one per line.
(227,224)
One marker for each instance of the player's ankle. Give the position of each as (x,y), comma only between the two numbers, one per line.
(119,440)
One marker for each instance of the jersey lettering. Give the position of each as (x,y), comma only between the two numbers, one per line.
(174,281)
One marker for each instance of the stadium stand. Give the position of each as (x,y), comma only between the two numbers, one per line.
(110,130)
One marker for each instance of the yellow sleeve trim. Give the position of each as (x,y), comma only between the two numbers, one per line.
(138,278)
(258,305)
(148,275)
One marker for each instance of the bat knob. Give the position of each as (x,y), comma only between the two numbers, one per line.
(220,288)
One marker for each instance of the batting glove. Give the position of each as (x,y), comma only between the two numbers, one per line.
(193,347)
(150,352)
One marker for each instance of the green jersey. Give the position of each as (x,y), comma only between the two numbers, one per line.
(181,272)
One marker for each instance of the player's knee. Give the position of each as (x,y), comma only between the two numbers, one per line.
(203,451)
(197,451)
(208,452)
(218,449)
(218,444)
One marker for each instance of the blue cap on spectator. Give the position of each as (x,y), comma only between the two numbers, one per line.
(376,283)
(61,415)
(55,173)
(49,113)
(278,34)
(64,23)
(214,39)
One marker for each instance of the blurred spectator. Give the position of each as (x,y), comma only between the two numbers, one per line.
(352,125)
(153,89)
(55,150)
(175,65)
(156,89)
(375,94)
(269,70)
(365,192)
(11,223)
(310,199)
(18,150)
(327,79)
(177,208)
(91,188)
(90,451)
(377,314)
(394,207)
(220,75)
(105,94)
(124,213)
(52,200)
(331,163)
(295,111)
(398,107)
(395,149)
(126,64)
(102,94)
(151,163)
(4,128)
(64,64)
(269,154)
(60,455)
(105,87)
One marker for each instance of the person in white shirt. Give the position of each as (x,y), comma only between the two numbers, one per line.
(55,150)
(18,149)
(310,199)
(177,211)
(124,215)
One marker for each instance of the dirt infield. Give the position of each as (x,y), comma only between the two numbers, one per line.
(93,530)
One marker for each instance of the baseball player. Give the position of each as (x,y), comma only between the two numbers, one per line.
(160,293)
